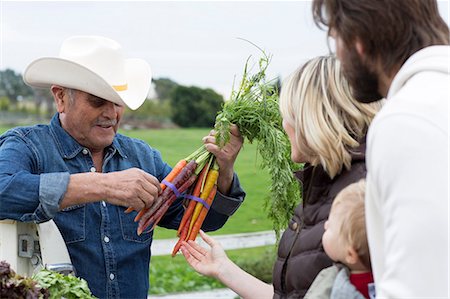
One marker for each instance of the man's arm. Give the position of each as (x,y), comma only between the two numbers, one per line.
(129,188)
(19,183)
(29,196)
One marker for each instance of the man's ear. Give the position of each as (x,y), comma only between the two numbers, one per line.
(58,93)
(360,48)
(351,256)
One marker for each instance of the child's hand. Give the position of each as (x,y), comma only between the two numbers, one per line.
(205,262)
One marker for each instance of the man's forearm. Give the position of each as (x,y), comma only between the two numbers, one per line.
(225,181)
(84,188)
(128,188)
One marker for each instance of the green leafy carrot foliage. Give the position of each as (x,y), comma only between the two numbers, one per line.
(253,107)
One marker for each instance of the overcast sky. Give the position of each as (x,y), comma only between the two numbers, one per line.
(192,43)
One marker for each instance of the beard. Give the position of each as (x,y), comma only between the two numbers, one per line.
(363,81)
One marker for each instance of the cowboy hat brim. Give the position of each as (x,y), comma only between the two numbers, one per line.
(48,71)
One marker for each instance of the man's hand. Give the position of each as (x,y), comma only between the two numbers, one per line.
(132,188)
(226,156)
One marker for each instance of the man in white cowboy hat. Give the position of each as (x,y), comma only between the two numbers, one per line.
(79,172)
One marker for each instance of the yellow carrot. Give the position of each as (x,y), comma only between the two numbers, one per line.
(211,180)
(201,217)
(196,193)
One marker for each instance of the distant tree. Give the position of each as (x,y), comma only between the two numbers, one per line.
(277,84)
(164,88)
(274,86)
(4,103)
(12,85)
(151,108)
(195,107)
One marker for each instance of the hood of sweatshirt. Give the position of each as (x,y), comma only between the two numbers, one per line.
(428,59)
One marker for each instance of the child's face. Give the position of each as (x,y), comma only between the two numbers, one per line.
(332,240)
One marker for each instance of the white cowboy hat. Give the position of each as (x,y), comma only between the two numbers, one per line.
(95,65)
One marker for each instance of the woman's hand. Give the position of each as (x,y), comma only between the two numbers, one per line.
(204,261)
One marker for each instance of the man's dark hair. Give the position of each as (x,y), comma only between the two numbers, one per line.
(389,30)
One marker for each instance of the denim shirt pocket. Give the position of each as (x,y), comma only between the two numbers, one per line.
(129,228)
(71,222)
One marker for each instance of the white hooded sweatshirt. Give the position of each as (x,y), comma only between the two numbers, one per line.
(407,201)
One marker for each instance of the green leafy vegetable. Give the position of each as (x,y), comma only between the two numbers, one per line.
(59,285)
(253,107)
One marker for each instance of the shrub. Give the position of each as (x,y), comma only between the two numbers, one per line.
(195,107)
(5,103)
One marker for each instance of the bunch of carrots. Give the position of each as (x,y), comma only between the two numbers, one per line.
(195,178)
(199,200)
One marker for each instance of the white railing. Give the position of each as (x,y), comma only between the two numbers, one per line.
(228,242)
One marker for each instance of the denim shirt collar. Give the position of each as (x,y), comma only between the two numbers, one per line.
(69,147)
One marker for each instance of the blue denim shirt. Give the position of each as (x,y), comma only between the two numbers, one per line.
(35,167)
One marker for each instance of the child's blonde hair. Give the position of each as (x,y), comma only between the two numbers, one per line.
(353,224)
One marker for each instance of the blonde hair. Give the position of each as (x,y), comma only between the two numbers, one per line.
(353,225)
(317,102)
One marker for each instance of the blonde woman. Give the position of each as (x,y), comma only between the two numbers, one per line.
(326,128)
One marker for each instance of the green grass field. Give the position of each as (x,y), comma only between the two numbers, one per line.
(3,129)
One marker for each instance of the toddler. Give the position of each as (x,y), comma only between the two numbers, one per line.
(345,242)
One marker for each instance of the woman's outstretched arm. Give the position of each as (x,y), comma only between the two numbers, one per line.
(215,263)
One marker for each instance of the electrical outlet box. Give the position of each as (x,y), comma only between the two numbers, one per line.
(26,246)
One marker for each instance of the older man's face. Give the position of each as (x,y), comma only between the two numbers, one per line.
(92,121)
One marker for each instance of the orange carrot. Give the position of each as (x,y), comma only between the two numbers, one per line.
(196,193)
(140,214)
(201,217)
(172,174)
(211,180)
(183,237)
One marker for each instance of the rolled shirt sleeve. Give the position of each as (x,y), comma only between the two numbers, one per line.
(26,193)
(31,198)
(52,188)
